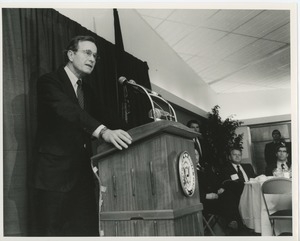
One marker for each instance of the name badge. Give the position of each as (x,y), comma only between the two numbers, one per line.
(234,177)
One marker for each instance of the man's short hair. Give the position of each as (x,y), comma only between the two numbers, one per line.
(73,44)
(273,132)
(234,148)
(282,145)
(190,122)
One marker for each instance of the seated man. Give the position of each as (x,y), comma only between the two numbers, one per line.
(209,187)
(234,174)
(271,151)
(282,163)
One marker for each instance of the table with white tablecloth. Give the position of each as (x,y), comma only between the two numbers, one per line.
(253,210)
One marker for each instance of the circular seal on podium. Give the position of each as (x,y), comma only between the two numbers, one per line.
(187,174)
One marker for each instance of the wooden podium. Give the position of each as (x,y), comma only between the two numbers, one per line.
(140,188)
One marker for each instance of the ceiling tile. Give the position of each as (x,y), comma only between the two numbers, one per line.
(153,22)
(185,57)
(255,51)
(245,88)
(228,20)
(221,87)
(219,70)
(194,17)
(281,34)
(268,73)
(226,46)
(173,32)
(199,63)
(207,80)
(264,23)
(197,40)
(281,81)
(231,50)
(155,13)
(234,87)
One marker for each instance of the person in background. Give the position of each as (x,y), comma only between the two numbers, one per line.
(234,174)
(200,144)
(271,149)
(63,179)
(209,188)
(282,162)
(208,177)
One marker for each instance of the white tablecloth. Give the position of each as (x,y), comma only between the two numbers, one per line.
(253,210)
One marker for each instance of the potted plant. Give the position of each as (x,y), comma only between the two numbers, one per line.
(220,136)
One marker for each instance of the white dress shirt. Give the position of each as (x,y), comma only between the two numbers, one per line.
(279,165)
(74,79)
(242,170)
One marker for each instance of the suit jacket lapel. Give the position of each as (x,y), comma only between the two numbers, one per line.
(248,170)
(69,90)
(232,169)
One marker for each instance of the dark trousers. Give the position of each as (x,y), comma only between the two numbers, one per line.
(72,213)
(229,201)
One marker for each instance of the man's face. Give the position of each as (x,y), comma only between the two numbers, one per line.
(282,154)
(195,127)
(83,60)
(235,156)
(276,136)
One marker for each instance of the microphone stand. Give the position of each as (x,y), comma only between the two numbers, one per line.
(132,83)
(171,109)
(125,105)
(149,97)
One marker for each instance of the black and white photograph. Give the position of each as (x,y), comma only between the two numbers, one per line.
(157,120)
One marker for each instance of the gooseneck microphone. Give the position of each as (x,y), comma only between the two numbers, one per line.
(123,81)
(154,113)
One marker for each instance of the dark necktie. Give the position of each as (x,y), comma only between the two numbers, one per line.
(80,94)
(240,174)
(282,166)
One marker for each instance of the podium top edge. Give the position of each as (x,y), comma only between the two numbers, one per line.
(162,126)
(141,132)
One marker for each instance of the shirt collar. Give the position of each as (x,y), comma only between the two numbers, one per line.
(279,163)
(235,165)
(71,76)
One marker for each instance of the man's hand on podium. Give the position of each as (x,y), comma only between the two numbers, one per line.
(119,138)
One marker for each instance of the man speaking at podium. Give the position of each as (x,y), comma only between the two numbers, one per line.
(66,202)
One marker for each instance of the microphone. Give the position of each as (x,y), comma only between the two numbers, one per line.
(154,113)
(158,114)
(123,81)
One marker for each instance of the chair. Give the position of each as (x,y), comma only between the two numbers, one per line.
(209,220)
(282,186)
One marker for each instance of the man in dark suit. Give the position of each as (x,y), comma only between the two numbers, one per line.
(199,142)
(282,162)
(234,175)
(66,123)
(208,177)
(271,150)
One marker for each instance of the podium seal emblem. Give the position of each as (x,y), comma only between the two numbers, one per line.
(187,174)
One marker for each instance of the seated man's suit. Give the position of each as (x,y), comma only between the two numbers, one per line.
(233,186)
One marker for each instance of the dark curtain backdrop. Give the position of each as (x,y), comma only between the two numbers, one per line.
(33,44)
